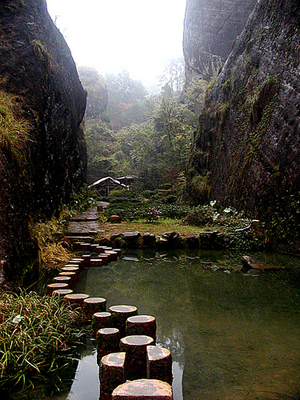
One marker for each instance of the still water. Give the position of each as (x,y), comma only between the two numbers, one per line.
(233,335)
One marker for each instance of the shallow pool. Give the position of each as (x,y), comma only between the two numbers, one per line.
(232,334)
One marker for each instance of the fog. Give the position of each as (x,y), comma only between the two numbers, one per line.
(133,35)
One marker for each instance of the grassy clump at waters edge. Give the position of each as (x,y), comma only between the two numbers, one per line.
(34,331)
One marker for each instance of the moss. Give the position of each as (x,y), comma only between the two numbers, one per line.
(14,128)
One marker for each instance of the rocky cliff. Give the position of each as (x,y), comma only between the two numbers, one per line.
(247,147)
(210,28)
(37,66)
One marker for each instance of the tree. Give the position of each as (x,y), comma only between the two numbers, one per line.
(173,77)
(127,103)
(96,88)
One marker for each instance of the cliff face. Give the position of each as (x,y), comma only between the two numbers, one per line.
(247,146)
(210,28)
(37,66)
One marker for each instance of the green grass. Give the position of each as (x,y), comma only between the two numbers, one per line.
(14,129)
(33,330)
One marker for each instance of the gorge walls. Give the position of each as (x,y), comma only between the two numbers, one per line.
(210,29)
(247,146)
(37,67)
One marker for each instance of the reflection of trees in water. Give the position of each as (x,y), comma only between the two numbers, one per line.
(231,333)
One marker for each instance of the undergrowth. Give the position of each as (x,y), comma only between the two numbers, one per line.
(35,331)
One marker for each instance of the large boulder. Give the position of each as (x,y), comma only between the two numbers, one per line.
(247,147)
(37,66)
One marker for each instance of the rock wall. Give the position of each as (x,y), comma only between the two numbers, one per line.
(210,28)
(247,147)
(37,66)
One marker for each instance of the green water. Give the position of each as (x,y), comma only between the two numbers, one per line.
(233,335)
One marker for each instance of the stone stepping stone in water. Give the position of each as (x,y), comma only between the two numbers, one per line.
(108,341)
(104,257)
(91,305)
(100,320)
(76,299)
(71,274)
(143,389)
(86,257)
(96,262)
(119,314)
(62,292)
(55,286)
(113,254)
(135,349)
(63,279)
(70,268)
(141,325)
(111,372)
(159,363)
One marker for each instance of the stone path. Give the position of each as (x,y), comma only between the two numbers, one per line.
(84,225)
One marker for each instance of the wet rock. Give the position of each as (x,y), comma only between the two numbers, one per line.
(131,238)
(192,242)
(115,219)
(208,239)
(149,239)
(170,236)
(256,228)
(251,262)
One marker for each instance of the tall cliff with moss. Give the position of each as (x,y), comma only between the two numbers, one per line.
(247,147)
(210,29)
(42,104)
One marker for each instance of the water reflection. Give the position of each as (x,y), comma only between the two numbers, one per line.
(232,335)
(86,383)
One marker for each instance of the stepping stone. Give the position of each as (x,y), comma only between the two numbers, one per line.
(135,349)
(62,279)
(108,340)
(86,257)
(62,292)
(76,299)
(100,249)
(111,372)
(159,363)
(54,286)
(143,389)
(85,246)
(91,305)
(96,262)
(100,320)
(141,325)
(104,257)
(71,274)
(118,251)
(113,254)
(70,268)
(76,261)
(120,313)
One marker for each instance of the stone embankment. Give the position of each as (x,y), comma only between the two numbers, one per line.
(87,227)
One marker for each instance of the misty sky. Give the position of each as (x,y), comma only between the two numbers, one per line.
(112,35)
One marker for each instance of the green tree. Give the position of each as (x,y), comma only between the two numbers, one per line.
(96,88)
(127,102)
